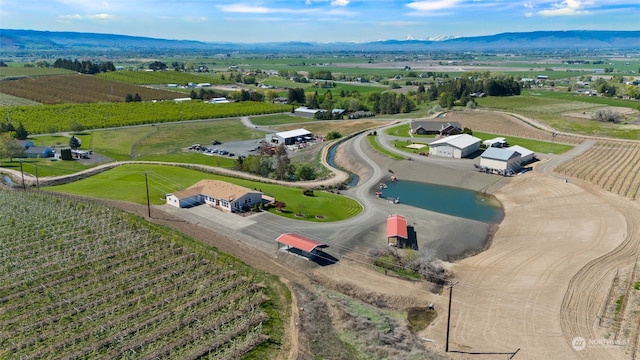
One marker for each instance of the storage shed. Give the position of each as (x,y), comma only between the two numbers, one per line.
(526,155)
(455,146)
(397,233)
(500,160)
(300,245)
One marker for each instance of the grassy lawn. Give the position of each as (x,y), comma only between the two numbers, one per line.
(373,141)
(533,145)
(45,167)
(403,146)
(278,119)
(127,183)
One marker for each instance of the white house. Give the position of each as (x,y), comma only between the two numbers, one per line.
(455,146)
(500,160)
(223,195)
(526,155)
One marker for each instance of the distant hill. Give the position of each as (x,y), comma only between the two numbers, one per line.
(30,41)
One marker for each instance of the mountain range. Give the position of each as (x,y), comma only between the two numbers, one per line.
(31,41)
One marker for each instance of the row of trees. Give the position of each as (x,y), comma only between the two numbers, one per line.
(84,66)
(19,132)
(277,166)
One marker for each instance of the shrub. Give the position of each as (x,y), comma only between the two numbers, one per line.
(307,192)
(606,115)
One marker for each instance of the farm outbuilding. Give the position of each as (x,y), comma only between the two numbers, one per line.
(306,112)
(219,194)
(498,142)
(500,160)
(526,155)
(455,146)
(397,233)
(300,245)
(289,137)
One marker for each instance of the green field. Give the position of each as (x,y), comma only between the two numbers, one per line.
(127,183)
(551,107)
(163,77)
(533,145)
(19,72)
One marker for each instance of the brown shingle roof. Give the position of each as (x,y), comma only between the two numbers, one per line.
(214,188)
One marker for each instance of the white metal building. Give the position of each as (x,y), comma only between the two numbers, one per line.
(526,155)
(289,137)
(496,142)
(502,160)
(456,146)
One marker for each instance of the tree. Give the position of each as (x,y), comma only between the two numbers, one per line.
(606,115)
(21,132)
(306,172)
(157,66)
(76,126)
(333,135)
(296,95)
(10,147)
(74,143)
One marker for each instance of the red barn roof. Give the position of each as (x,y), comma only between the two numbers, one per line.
(397,226)
(300,242)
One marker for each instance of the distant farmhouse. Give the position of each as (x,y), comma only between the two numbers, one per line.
(455,146)
(32,151)
(422,127)
(219,194)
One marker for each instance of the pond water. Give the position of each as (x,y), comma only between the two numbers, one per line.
(331,161)
(448,200)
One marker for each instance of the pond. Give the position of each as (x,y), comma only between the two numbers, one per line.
(448,200)
(331,161)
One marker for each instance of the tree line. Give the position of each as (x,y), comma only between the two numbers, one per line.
(84,66)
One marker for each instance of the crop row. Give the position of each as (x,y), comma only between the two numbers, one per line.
(56,118)
(163,77)
(117,289)
(78,88)
(10,100)
(498,123)
(611,165)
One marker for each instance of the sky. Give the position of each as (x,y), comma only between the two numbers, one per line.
(255,21)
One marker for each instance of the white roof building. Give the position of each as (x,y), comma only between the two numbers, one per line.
(455,146)
(500,160)
(289,137)
(526,155)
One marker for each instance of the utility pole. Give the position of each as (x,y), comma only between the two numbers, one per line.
(449,316)
(37,179)
(24,187)
(146,182)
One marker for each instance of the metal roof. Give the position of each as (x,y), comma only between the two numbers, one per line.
(397,226)
(293,133)
(216,189)
(460,141)
(523,151)
(300,242)
(499,154)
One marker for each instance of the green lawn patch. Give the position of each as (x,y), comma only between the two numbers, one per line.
(533,145)
(373,141)
(278,119)
(127,183)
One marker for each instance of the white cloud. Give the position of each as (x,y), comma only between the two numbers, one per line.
(250,9)
(565,8)
(340,2)
(67,19)
(427,6)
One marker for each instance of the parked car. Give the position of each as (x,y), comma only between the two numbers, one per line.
(223,152)
(215,142)
(232,154)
